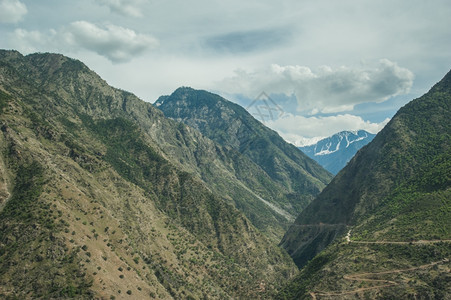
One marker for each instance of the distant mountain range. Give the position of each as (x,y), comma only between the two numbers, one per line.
(334,152)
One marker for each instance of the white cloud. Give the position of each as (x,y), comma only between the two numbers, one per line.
(31,41)
(325,90)
(118,44)
(132,8)
(295,128)
(12,11)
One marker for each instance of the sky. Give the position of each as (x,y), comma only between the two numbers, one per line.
(306,69)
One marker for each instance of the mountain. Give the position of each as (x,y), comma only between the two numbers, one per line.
(382,228)
(334,152)
(101,196)
(280,179)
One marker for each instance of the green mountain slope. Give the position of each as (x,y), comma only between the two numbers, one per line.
(262,161)
(393,201)
(96,201)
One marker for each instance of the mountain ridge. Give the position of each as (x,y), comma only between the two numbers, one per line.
(97,200)
(295,178)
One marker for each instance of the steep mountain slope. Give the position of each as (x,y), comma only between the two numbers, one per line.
(94,201)
(334,152)
(272,169)
(394,201)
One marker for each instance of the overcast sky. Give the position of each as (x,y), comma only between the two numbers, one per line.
(326,66)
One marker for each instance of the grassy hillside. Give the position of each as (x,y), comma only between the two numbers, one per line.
(400,251)
(94,204)
(418,135)
(393,203)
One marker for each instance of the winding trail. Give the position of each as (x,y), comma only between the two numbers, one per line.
(380,283)
(383,282)
(348,239)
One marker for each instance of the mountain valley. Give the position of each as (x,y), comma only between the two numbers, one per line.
(105,196)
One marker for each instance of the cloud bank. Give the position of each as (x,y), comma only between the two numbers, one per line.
(326,90)
(278,47)
(12,11)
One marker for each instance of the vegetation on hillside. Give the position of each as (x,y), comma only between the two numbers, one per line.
(34,260)
(408,150)
(110,210)
(395,209)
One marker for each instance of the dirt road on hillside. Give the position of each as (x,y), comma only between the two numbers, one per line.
(367,277)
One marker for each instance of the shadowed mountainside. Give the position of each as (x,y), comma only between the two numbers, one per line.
(281,175)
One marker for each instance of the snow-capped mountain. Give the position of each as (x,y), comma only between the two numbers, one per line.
(334,152)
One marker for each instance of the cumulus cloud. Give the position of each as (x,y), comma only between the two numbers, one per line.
(12,11)
(131,8)
(295,128)
(326,90)
(30,41)
(116,43)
